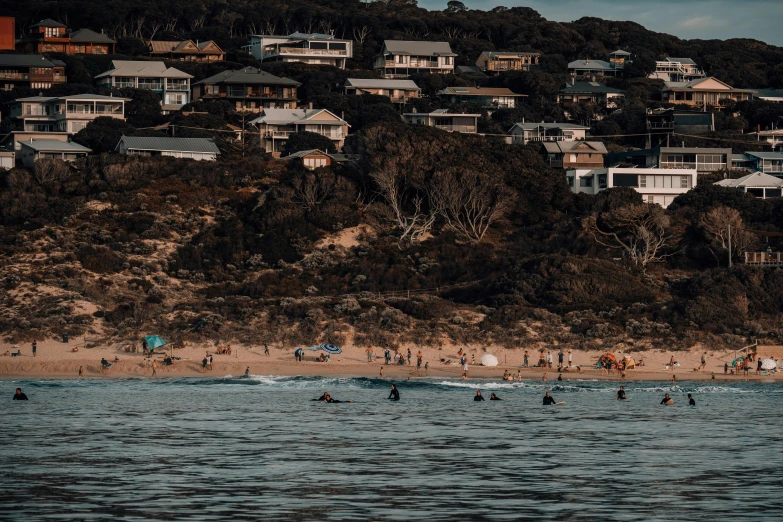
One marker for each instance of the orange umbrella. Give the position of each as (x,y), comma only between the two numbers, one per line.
(609,356)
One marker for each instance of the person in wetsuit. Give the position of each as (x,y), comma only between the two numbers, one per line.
(19,396)
(549,400)
(324,397)
(494,397)
(691,402)
(247,371)
(478,396)
(394,395)
(621,394)
(333,401)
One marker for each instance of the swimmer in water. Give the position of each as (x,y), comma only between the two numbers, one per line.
(394,395)
(668,401)
(621,394)
(548,399)
(494,397)
(691,402)
(478,396)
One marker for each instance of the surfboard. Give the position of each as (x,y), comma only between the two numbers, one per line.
(560,403)
(670,402)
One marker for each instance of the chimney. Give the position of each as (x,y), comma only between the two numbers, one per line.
(310,105)
(523,121)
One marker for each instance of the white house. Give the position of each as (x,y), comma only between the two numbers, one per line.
(525,132)
(170,84)
(659,186)
(486,97)
(315,48)
(401,58)
(33,150)
(758,184)
(676,70)
(277,125)
(444,120)
(398,91)
(199,149)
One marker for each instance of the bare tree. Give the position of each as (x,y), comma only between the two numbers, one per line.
(452,32)
(49,170)
(171,24)
(154,27)
(360,34)
(138,25)
(270,24)
(470,201)
(198,22)
(312,189)
(715,225)
(639,231)
(406,200)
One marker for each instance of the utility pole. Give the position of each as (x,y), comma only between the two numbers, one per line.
(729,246)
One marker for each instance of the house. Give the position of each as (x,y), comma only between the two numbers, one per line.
(703,91)
(526,132)
(33,150)
(444,120)
(587,69)
(315,49)
(401,58)
(311,159)
(771,95)
(7,159)
(758,184)
(655,185)
(7,33)
(170,84)
(676,70)
(276,125)
(496,62)
(248,89)
(702,160)
(399,91)
(774,137)
(187,51)
(31,71)
(575,93)
(58,117)
(486,97)
(574,154)
(199,149)
(766,162)
(679,121)
(51,36)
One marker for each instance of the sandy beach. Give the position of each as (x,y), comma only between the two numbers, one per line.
(55,359)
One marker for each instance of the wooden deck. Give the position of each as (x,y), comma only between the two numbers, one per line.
(764,258)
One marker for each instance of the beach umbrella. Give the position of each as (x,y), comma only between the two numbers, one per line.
(331,349)
(768,364)
(489,360)
(609,356)
(740,360)
(153,341)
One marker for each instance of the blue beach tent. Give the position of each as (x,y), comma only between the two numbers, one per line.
(153,341)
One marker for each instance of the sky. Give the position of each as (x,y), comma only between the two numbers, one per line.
(705,19)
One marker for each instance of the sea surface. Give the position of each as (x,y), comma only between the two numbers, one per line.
(261,449)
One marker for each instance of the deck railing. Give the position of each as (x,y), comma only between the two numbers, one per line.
(764,258)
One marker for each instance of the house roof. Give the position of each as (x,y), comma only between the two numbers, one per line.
(418,48)
(589,87)
(24,60)
(90,36)
(693,83)
(288,116)
(362,83)
(55,146)
(757,179)
(166,46)
(91,97)
(766,155)
(557,147)
(441,112)
(303,153)
(769,93)
(686,61)
(134,68)
(534,125)
(509,54)
(620,52)
(479,91)
(472,69)
(590,65)
(311,36)
(48,22)
(248,75)
(170,144)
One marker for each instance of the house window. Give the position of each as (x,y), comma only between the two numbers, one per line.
(651,199)
(642,181)
(570,181)
(602,181)
(626,180)
(685,182)
(175,99)
(572,158)
(586,182)
(447,60)
(76,126)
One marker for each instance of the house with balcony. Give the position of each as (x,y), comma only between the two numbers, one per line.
(655,185)
(187,51)
(709,91)
(758,185)
(496,62)
(248,89)
(486,97)
(33,150)
(575,93)
(401,58)
(275,126)
(31,71)
(315,49)
(589,69)
(574,154)
(170,84)
(773,137)
(766,162)
(398,91)
(51,36)
(676,70)
(702,160)
(679,121)
(444,120)
(525,132)
(199,149)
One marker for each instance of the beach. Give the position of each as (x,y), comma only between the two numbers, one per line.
(56,359)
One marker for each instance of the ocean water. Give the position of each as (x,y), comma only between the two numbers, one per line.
(260,449)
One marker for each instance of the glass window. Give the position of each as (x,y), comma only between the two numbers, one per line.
(586,182)
(626,180)
(643,181)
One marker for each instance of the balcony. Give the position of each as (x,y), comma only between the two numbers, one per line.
(5,75)
(767,168)
(663,125)
(764,258)
(677,165)
(285,134)
(303,51)
(457,128)
(177,87)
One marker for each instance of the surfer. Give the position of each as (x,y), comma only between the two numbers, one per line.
(549,400)
(668,401)
(323,397)
(494,397)
(19,396)
(621,394)
(691,402)
(394,395)
(478,396)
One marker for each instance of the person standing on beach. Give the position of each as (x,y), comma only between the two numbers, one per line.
(570,358)
(19,396)
(549,360)
(381,372)
(266,349)
(81,371)
(472,358)
(154,368)
(35,347)
(758,368)
(545,378)
(703,361)
(426,367)
(560,358)
(525,361)
(418,360)
(409,356)
(387,355)
(369,354)
(465,369)
(725,368)
(674,378)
